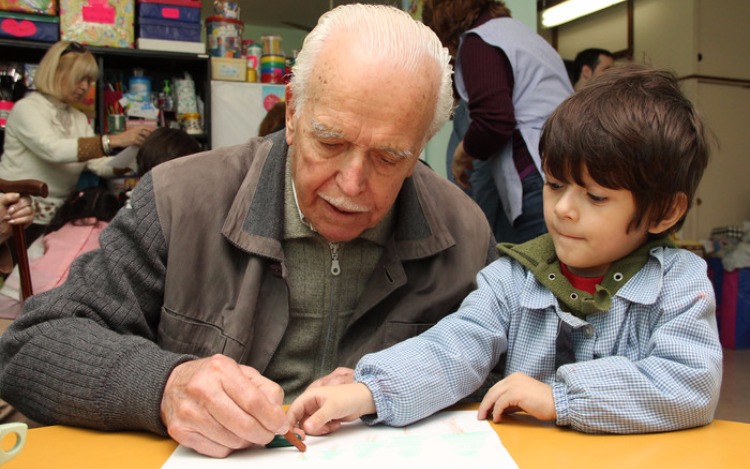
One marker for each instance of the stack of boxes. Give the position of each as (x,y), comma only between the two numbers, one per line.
(34,20)
(163,25)
(170,25)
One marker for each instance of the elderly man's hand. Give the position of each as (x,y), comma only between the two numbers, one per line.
(462,166)
(215,406)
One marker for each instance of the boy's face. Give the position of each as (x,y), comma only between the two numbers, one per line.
(589,225)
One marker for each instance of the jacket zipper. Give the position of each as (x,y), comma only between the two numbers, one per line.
(335,267)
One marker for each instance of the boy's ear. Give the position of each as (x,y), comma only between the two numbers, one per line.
(679,207)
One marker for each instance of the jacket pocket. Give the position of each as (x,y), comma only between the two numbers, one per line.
(183,334)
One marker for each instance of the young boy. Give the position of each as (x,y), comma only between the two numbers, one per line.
(604,326)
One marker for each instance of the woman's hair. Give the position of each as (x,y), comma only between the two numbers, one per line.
(86,207)
(275,119)
(630,128)
(164,144)
(387,34)
(450,18)
(64,58)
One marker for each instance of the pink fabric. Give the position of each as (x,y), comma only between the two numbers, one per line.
(60,249)
(51,269)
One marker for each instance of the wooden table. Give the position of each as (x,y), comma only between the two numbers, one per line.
(532,444)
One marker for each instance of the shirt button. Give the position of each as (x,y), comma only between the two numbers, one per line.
(588,331)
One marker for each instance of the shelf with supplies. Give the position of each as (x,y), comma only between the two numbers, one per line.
(121,62)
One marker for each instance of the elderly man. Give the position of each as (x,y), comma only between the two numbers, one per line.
(242,275)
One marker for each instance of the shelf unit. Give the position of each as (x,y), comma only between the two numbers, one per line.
(158,65)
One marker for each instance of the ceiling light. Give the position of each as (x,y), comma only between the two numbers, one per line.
(572,9)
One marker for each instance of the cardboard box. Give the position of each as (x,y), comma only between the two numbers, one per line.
(107,23)
(169,30)
(26,26)
(175,10)
(170,46)
(36,7)
(228,69)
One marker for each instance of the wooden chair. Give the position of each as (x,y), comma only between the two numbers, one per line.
(27,187)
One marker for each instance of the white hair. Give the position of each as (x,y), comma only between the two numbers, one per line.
(384,33)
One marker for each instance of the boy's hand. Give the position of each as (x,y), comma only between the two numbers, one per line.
(340,375)
(321,410)
(518,392)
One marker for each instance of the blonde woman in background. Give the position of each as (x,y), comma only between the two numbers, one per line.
(46,138)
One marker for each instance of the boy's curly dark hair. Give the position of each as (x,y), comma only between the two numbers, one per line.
(630,128)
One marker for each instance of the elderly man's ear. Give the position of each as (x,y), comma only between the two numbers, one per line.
(290,129)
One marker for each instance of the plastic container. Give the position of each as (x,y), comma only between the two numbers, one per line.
(227,9)
(224,37)
(252,75)
(140,88)
(272,68)
(271,44)
(191,122)
(275,75)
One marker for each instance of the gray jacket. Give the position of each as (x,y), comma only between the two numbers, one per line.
(196,268)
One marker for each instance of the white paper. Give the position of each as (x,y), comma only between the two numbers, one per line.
(125,159)
(447,439)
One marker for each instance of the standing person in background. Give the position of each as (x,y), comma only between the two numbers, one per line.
(588,64)
(510,80)
(246,274)
(46,138)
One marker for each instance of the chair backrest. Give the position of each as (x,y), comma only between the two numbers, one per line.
(24,187)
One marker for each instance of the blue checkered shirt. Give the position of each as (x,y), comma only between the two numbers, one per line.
(651,363)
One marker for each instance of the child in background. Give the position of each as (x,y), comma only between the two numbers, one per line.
(274,120)
(604,326)
(162,145)
(73,231)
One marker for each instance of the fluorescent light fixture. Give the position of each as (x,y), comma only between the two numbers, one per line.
(572,9)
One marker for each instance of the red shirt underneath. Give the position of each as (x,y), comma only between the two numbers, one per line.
(587,284)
